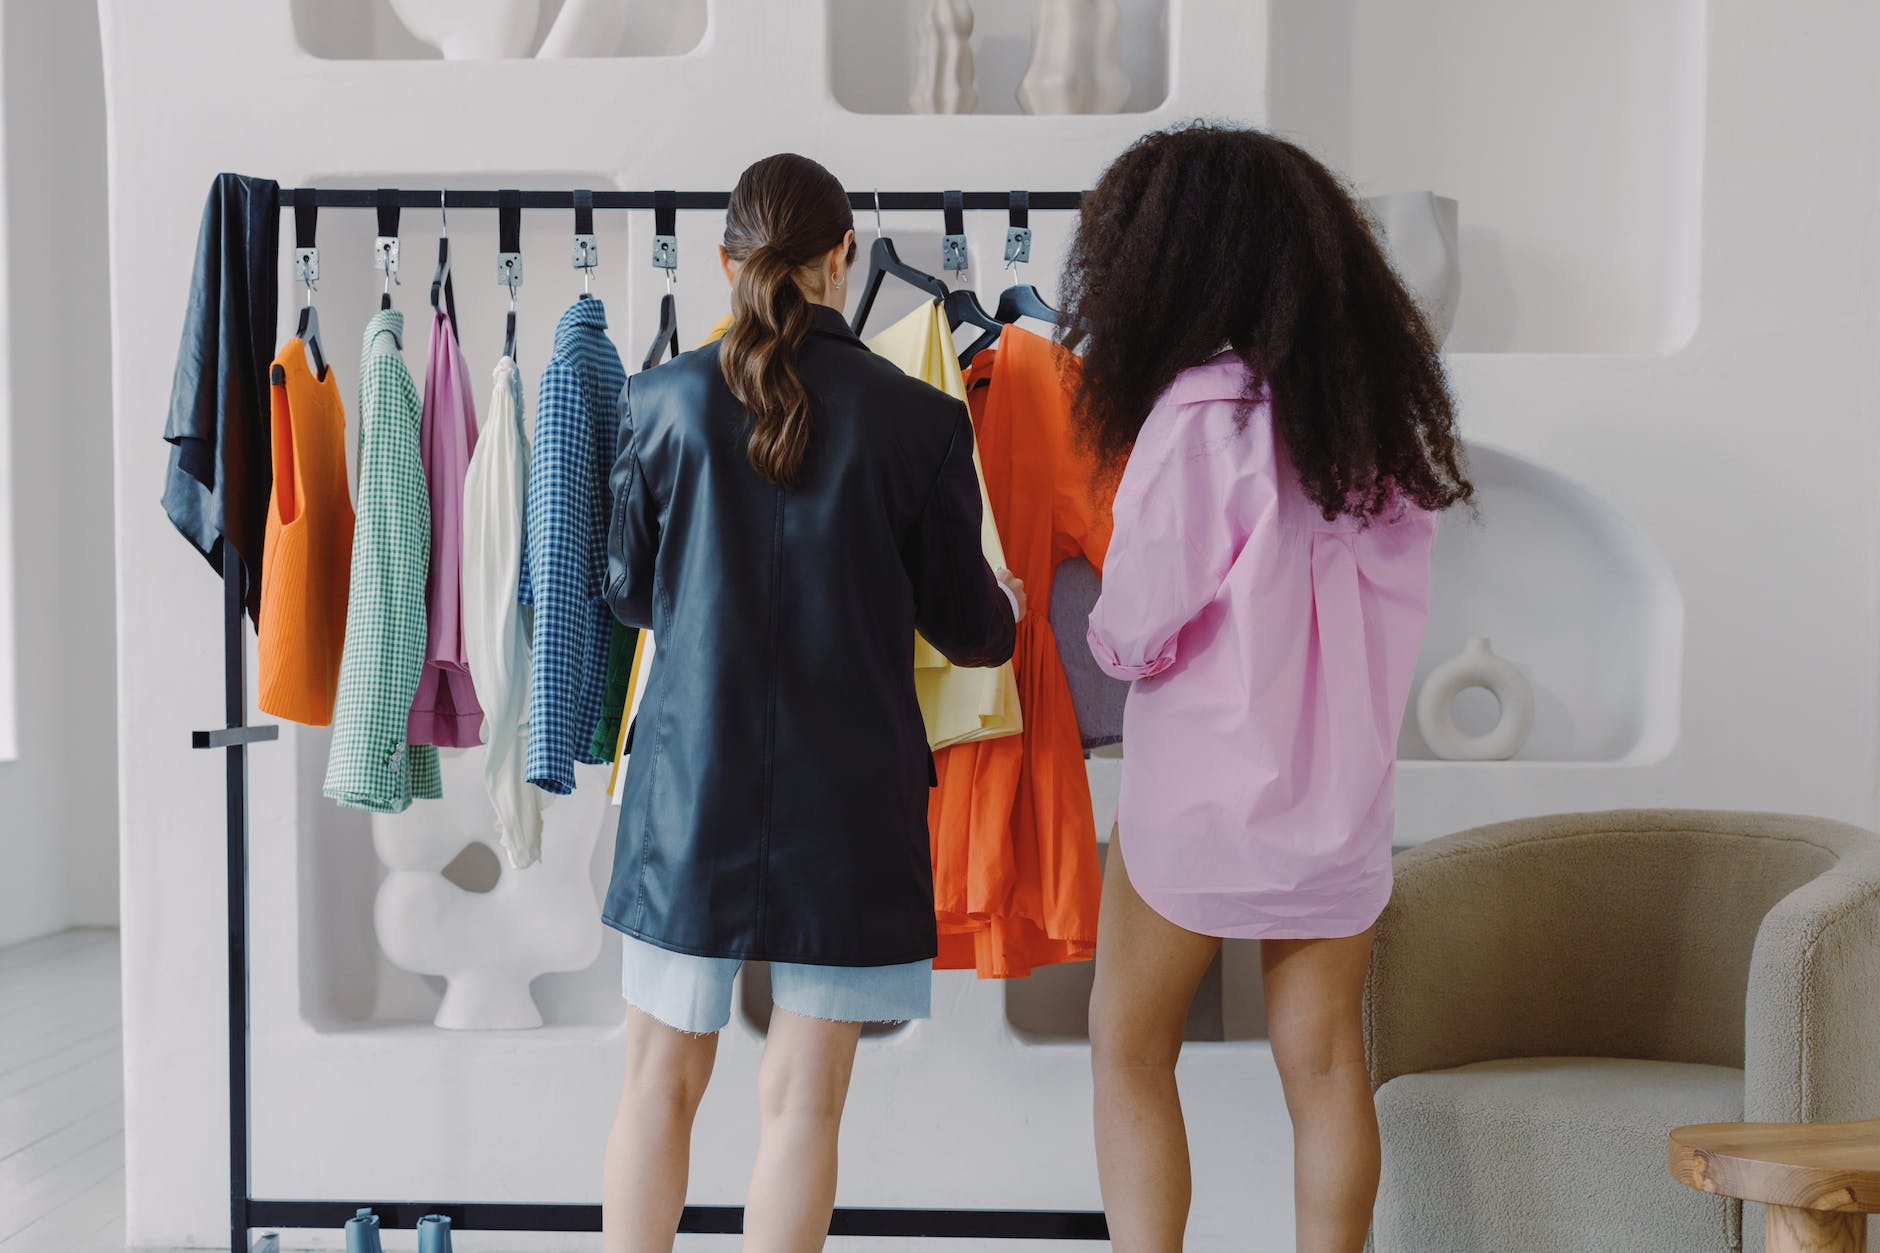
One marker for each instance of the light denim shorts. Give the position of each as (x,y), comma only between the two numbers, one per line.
(693,994)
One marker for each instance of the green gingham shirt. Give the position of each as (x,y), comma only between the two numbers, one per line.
(372,766)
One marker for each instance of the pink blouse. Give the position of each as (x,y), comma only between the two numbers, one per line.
(1272,653)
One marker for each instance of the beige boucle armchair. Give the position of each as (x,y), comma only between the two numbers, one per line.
(1549,997)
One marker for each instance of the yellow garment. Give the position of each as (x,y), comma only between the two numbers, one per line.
(959,705)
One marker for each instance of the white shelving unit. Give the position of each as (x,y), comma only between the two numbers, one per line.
(354,1093)
(1573,593)
(1571,134)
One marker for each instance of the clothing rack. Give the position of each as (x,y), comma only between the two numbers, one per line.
(890,201)
(248,1212)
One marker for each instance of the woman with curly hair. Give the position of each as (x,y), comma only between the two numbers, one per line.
(1278,414)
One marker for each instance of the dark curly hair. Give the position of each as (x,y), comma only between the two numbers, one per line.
(1203,236)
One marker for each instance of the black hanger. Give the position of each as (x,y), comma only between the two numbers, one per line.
(962,306)
(441,287)
(587,253)
(884,262)
(307,269)
(385,247)
(963,309)
(509,259)
(309,336)
(665,257)
(1020,300)
(666,338)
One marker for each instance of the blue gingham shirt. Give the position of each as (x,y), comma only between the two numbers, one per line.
(564,555)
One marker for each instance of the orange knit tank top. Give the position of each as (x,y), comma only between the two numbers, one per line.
(306,565)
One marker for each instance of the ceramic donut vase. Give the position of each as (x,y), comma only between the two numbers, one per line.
(1475,666)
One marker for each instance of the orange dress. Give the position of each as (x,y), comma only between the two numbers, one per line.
(306,565)
(1016,879)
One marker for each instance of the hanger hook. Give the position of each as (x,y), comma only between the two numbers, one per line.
(672,276)
(443,213)
(877,213)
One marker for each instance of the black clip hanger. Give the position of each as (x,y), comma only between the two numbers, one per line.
(665,257)
(385,247)
(509,259)
(1020,300)
(953,242)
(665,231)
(1017,229)
(307,270)
(587,253)
(441,286)
(884,262)
(961,304)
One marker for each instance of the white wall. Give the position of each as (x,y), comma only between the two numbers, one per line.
(1565,130)
(1745,450)
(58,813)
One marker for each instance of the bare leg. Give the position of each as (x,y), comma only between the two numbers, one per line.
(802,1084)
(1314,1014)
(650,1147)
(1147,972)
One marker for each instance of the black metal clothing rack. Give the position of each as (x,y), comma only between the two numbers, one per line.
(248,1212)
(889,201)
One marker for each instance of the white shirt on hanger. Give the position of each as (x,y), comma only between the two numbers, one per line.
(495,626)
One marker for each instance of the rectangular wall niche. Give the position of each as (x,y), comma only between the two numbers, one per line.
(1571,134)
(873,49)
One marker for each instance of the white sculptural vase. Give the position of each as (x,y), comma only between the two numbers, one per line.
(473,30)
(1475,666)
(586,28)
(1076,58)
(944,78)
(487,946)
(1419,233)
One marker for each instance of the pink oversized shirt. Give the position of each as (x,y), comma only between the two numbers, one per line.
(1272,653)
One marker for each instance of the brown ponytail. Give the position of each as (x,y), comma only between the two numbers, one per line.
(785,214)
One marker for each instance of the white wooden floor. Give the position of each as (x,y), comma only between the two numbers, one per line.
(61,1096)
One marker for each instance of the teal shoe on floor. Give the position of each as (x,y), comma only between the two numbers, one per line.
(434,1234)
(362,1233)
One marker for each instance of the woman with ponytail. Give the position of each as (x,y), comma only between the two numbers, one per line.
(788,510)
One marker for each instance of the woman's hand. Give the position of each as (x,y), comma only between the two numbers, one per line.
(1014,588)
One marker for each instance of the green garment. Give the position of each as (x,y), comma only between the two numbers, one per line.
(371,765)
(614,696)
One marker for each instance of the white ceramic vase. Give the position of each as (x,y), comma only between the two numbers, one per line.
(586,28)
(944,78)
(472,30)
(1076,58)
(1475,666)
(1418,232)
(487,946)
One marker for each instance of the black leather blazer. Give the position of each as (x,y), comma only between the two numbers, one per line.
(776,803)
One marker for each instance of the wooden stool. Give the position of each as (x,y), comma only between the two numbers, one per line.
(1819,1180)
